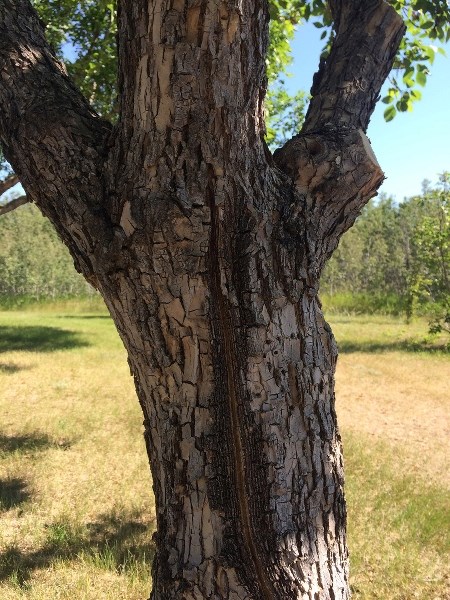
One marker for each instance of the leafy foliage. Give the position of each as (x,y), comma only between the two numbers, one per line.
(84,32)
(401,253)
(429,281)
(33,261)
(285,114)
(372,256)
(427,22)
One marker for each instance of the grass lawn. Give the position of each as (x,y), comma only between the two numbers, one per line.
(76,509)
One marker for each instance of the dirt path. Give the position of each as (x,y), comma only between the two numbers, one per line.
(403,399)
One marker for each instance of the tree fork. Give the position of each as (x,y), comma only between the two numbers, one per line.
(331,160)
(208,257)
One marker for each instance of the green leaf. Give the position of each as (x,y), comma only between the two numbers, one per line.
(408,82)
(421,78)
(389,113)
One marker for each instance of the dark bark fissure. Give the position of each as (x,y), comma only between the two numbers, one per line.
(228,354)
(209,257)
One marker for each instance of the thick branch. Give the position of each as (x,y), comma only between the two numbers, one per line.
(8,183)
(48,132)
(12,205)
(331,160)
(347,87)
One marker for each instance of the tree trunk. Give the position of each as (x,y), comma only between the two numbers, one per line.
(234,369)
(208,253)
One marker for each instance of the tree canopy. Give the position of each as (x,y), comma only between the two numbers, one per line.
(84,34)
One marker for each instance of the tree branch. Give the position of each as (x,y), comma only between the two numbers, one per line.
(13,204)
(8,183)
(331,160)
(49,134)
(347,88)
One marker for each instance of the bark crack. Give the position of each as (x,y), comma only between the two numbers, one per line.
(224,320)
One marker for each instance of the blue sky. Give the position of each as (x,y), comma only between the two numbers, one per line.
(414,146)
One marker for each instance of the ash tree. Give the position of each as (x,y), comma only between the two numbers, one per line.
(208,251)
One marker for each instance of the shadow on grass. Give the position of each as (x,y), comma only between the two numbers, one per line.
(30,442)
(11,368)
(13,492)
(112,543)
(38,339)
(81,316)
(370,347)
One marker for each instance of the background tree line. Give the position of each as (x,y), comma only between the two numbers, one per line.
(34,264)
(396,259)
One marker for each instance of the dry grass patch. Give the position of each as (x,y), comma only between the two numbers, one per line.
(401,397)
(393,405)
(77,509)
(398,526)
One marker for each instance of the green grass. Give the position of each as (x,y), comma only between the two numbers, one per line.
(364,304)
(373,334)
(398,526)
(76,509)
(70,304)
(77,512)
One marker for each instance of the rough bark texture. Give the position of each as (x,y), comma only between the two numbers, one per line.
(208,255)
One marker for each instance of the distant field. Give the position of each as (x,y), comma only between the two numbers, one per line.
(76,509)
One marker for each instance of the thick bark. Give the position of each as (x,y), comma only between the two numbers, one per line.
(208,256)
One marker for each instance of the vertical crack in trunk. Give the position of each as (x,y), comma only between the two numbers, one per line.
(224,319)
